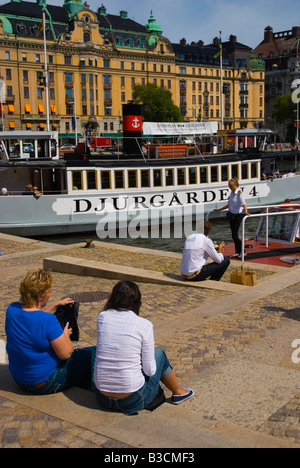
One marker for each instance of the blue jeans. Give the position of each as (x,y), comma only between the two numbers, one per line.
(75,371)
(140,399)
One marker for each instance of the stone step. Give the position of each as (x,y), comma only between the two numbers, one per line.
(83,267)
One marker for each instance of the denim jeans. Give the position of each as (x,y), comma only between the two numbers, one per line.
(140,399)
(75,371)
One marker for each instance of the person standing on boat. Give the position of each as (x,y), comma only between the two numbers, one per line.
(236,205)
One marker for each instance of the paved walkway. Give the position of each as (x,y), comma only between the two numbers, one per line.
(234,349)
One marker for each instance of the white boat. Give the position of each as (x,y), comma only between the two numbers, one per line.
(81,193)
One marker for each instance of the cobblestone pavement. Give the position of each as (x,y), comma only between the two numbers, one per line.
(190,350)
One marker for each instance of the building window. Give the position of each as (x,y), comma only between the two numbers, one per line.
(67,60)
(8,74)
(86,37)
(7,55)
(26,92)
(106,63)
(68,77)
(37,58)
(39,93)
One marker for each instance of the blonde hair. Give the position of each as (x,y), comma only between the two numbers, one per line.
(235,181)
(36,283)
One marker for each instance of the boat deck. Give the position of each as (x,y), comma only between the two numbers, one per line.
(259,253)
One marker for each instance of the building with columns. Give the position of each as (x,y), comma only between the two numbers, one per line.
(94,59)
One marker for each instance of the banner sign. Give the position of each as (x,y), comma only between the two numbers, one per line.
(180,128)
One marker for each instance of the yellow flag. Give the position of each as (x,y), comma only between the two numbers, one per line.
(40,29)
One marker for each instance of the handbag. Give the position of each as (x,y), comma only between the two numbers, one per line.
(69,313)
(244,277)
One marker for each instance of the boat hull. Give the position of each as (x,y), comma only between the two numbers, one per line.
(63,214)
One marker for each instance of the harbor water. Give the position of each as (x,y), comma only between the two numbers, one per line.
(220,232)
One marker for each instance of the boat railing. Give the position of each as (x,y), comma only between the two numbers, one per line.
(293,208)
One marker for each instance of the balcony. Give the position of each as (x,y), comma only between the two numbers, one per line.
(10,99)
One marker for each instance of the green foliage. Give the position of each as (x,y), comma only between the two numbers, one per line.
(158,105)
(284,109)
(284,114)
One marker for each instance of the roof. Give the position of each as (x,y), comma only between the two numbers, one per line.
(119,23)
(277,44)
(34,10)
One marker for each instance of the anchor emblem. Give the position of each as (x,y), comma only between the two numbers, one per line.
(136,123)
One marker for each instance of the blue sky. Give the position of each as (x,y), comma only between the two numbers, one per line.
(202,19)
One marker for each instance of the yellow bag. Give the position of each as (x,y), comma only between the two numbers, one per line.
(245,278)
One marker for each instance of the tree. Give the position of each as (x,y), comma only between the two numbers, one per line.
(157,103)
(284,114)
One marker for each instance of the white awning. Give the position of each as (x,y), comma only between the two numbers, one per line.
(180,128)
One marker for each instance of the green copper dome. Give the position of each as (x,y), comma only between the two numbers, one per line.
(153,27)
(7,27)
(73,7)
(256,63)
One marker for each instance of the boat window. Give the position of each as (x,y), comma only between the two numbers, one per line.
(180,176)
(105,180)
(244,171)
(132,179)
(91,180)
(224,173)
(214,174)
(157,179)
(119,179)
(254,170)
(169,177)
(235,171)
(192,175)
(77,180)
(145,178)
(203,175)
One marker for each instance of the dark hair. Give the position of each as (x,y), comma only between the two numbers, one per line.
(125,296)
(207,228)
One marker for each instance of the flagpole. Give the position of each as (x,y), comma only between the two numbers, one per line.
(221,72)
(46,72)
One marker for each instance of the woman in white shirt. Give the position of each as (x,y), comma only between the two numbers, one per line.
(128,369)
(236,206)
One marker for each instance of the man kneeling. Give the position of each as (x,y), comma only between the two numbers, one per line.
(197,249)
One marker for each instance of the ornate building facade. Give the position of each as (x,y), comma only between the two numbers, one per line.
(281,54)
(94,59)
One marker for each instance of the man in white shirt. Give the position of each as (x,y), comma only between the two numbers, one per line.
(197,249)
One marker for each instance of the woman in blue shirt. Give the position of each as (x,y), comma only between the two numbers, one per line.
(40,353)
